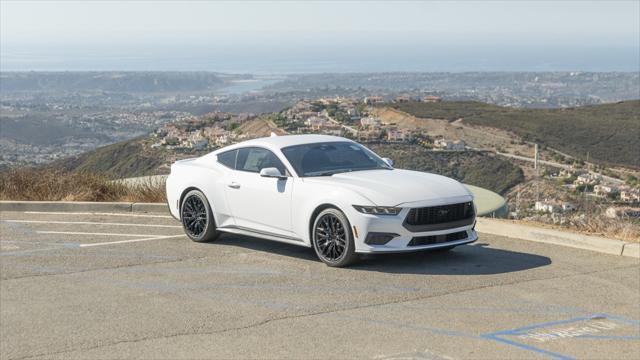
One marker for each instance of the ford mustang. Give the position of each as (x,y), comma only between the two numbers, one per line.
(324,192)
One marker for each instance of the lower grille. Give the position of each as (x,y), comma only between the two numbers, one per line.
(437,239)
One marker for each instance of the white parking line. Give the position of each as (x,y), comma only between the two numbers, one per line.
(88,233)
(130,241)
(98,214)
(90,223)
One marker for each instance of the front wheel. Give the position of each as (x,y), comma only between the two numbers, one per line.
(197,218)
(332,238)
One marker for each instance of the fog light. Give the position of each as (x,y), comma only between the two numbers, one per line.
(379,238)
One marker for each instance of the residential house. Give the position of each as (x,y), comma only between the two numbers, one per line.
(431,99)
(331,129)
(623,212)
(444,144)
(304,115)
(217,135)
(370,100)
(195,139)
(370,121)
(173,131)
(316,122)
(402,99)
(630,195)
(604,190)
(587,179)
(553,206)
(369,135)
(547,207)
(567,173)
(403,135)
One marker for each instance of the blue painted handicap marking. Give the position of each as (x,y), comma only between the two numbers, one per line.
(545,338)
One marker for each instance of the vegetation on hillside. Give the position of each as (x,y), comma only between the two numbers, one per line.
(28,184)
(120,160)
(609,133)
(127,81)
(131,159)
(474,168)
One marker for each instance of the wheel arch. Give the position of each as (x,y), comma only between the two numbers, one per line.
(320,208)
(184,193)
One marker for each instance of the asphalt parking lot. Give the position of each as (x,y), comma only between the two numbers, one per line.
(90,285)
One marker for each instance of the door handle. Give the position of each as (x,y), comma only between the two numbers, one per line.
(233,185)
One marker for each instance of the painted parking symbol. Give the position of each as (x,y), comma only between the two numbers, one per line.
(543,338)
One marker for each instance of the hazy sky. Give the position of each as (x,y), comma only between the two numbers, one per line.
(203,34)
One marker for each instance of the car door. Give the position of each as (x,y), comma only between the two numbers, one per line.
(261,204)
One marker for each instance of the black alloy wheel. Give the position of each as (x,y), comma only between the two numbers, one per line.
(332,238)
(196,216)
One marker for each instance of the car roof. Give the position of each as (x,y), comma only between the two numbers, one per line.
(281,141)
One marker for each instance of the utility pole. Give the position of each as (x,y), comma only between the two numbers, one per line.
(584,191)
(535,157)
(535,167)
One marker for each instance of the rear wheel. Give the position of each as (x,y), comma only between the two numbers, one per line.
(332,238)
(197,218)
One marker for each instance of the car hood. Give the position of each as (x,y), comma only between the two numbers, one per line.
(398,187)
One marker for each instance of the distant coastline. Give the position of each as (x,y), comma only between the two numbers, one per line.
(312,60)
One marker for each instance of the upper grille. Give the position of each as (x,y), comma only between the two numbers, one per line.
(440,214)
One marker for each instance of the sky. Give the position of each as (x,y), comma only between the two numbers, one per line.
(318,36)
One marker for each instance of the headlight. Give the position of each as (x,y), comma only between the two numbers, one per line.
(378,210)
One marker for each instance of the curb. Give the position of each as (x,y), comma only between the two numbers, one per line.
(155,208)
(632,250)
(484,225)
(556,237)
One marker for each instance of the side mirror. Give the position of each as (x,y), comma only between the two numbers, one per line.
(388,161)
(272,172)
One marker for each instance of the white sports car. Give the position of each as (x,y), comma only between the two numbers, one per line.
(325,192)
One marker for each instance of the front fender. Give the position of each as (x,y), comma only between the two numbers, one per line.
(307,197)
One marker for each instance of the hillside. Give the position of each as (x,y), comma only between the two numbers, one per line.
(473,168)
(608,133)
(109,81)
(131,159)
(120,160)
(260,128)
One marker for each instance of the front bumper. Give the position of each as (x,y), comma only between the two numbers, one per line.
(364,224)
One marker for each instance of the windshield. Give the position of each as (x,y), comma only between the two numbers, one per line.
(328,158)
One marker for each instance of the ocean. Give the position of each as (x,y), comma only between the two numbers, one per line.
(325,60)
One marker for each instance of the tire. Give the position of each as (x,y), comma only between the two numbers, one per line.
(332,238)
(197,218)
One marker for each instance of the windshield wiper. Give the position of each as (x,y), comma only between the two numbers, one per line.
(327,172)
(340,171)
(319,173)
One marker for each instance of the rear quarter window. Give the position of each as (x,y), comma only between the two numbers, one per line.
(228,158)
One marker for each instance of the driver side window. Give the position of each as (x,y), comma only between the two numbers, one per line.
(254,159)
